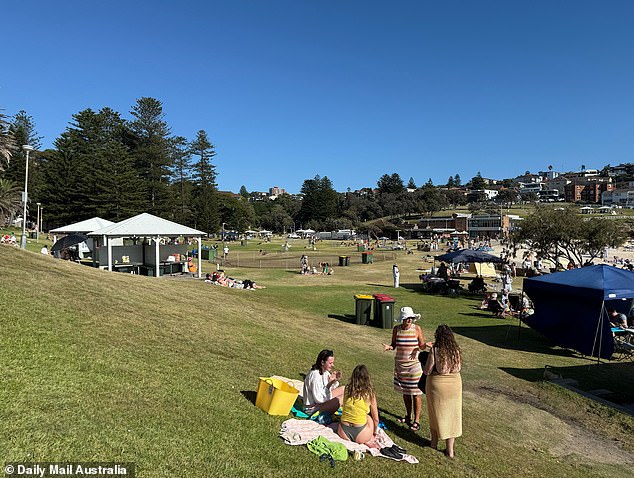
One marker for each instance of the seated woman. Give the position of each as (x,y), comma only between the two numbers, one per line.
(477,285)
(484,305)
(321,387)
(495,306)
(359,400)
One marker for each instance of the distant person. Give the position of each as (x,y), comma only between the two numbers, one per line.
(44,250)
(396,275)
(444,390)
(617,319)
(359,420)
(442,271)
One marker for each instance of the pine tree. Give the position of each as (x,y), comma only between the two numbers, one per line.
(152,152)
(181,180)
(91,172)
(206,204)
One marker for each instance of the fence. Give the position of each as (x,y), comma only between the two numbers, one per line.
(287,261)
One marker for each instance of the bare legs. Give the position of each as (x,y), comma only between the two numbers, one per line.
(413,404)
(449,450)
(449,442)
(332,405)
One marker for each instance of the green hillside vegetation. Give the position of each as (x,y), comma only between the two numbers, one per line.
(163,372)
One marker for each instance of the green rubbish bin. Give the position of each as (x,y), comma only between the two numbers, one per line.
(344,261)
(363,309)
(367,257)
(360,247)
(384,311)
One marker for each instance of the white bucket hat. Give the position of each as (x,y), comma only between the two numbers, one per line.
(407,312)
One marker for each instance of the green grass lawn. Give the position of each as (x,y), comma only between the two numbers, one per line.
(163,372)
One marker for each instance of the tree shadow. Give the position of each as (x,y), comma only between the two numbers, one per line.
(610,381)
(512,337)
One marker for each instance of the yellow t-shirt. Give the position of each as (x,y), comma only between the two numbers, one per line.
(355,410)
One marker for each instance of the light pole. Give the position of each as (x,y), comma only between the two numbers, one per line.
(37,223)
(27,148)
(224,257)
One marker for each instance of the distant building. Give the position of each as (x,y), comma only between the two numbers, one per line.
(476,194)
(276,191)
(528,178)
(559,183)
(618,197)
(587,189)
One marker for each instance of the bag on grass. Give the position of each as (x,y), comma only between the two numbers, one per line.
(422,357)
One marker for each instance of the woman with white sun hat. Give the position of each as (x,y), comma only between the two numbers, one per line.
(408,341)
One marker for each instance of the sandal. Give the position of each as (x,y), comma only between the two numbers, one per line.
(414,426)
(405,419)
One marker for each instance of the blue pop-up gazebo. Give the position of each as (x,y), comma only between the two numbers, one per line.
(571,306)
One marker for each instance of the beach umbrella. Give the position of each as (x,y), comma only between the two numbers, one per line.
(68,241)
(469,255)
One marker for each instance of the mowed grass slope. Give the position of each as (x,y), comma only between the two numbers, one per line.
(162,372)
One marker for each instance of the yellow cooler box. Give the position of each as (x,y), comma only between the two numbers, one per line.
(275,396)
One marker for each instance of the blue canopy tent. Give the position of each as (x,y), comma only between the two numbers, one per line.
(571,306)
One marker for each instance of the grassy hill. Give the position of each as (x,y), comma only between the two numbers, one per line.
(163,373)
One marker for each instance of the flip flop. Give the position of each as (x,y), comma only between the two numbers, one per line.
(390,452)
(398,449)
(414,426)
(405,419)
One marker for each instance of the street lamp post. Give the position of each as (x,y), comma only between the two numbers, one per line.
(27,148)
(224,257)
(37,223)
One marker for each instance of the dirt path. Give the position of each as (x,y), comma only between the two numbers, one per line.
(545,428)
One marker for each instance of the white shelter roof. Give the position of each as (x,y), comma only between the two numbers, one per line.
(147,225)
(83,227)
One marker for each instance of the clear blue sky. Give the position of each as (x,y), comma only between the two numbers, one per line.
(347,89)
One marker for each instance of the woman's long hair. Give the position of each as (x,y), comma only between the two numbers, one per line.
(360,384)
(321,358)
(448,354)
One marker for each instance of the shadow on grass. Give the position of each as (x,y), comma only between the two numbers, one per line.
(351,319)
(249,395)
(398,429)
(511,337)
(613,380)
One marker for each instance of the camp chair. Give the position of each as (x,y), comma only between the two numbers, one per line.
(623,348)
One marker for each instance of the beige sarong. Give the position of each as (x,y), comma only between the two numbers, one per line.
(444,404)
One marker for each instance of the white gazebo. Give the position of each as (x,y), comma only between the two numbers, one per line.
(83,227)
(146,226)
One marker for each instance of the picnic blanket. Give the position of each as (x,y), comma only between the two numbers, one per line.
(300,432)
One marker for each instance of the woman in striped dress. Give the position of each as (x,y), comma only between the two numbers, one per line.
(408,341)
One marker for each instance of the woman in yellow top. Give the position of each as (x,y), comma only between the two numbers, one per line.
(359,400)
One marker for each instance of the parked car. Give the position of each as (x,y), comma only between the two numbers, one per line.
(293,236)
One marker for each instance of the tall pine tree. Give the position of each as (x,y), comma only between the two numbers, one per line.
(152,153)
(206,204)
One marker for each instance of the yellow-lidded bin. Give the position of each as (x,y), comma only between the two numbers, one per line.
(275,396)
(363,309)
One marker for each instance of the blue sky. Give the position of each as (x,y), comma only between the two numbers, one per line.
(351,90)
